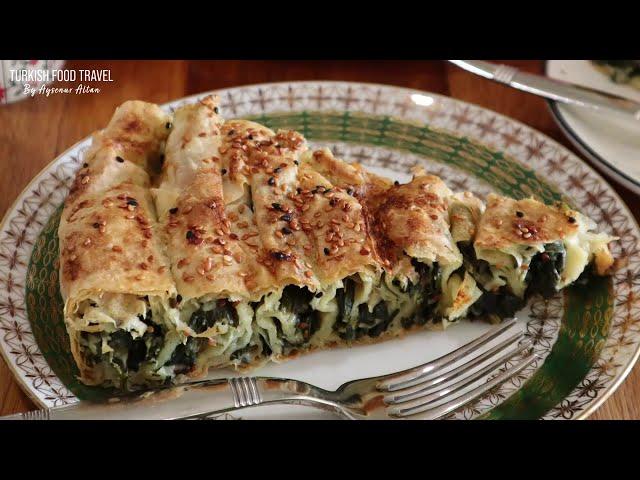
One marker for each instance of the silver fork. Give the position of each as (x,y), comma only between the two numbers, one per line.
(428,391)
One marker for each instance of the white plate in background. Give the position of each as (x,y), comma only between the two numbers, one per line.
(610,141)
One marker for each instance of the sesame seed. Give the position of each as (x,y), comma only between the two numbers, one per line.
(162,269)
(87,242)
(85,180)
(524,230)
(364,251)
(144,266)
(102,229)
(308,274)
(116,248)
(526,235)
(433,216)
(279,234)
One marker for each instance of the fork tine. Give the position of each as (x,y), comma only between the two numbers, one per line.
(419,389)
(442,392)
(443,409)
(411,376)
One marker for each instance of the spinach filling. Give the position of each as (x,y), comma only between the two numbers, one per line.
(224,312)
(129,353)
(545,269)
(184,356)
(425,293)
(542,278)
(297,301)
(355,323)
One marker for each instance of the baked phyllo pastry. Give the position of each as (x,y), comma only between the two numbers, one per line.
(114,277)
(524,247)
(191,242)
(271,257)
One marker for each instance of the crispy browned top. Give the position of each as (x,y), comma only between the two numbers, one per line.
(507,221)
(243,210)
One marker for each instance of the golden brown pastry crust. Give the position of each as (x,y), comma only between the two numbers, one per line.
(136,132)
(414,218)
(213,246)
(108,228)
(526,222)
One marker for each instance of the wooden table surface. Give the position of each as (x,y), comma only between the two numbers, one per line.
(35,131)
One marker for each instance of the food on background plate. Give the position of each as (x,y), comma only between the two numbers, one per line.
(190,242)
(620,71)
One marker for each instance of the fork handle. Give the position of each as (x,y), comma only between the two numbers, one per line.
(194,400)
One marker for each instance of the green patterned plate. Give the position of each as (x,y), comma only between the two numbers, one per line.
(587,338)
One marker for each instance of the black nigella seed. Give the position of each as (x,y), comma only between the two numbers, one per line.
(333,202)
(296,162)
(85,165)
(174,210)
(286,230)
(319,294)
(349,191)
(572,220)
(190,235)
(231,132)
(224,171)
(272,181)
(250,137)
(120,159)
(216,109)
(168,125)
(179,298)
(396,183)
(298,190)
(277,169)
(280,256)
(132,201)
(286,217)
(326,251)
(519,214)
(96,225)
(276,206)
(161,159)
